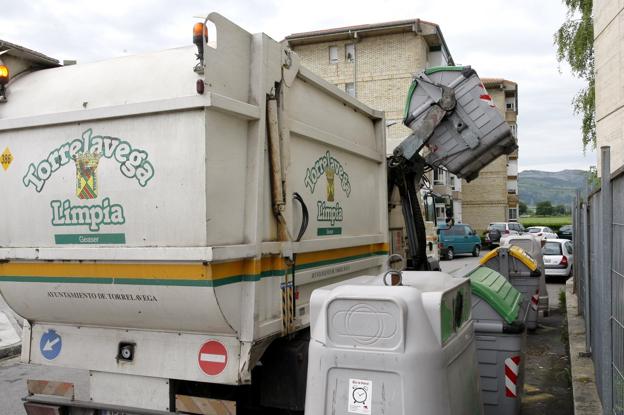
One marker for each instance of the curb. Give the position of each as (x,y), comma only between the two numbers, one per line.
(10,351)
(586,401)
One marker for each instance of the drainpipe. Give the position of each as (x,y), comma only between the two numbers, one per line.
(355,59)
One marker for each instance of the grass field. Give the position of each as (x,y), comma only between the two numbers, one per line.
(553,222)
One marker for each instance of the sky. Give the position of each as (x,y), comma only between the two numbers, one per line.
(511,39)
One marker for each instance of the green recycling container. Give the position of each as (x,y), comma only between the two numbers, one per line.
(500,333)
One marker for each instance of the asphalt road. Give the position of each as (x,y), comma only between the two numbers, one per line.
(461,264)
(13,374)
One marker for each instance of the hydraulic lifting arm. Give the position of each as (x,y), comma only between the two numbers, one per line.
(405,171)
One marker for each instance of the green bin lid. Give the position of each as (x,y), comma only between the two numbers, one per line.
(435,69)
(494,289)
(428,71)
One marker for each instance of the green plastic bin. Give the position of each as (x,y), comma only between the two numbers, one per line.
(500,334)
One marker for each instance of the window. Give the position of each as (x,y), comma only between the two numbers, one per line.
(350,52)
(439,176)
(455,230)
(350,88)
(440,211)
(552,248)
(497,226)
(510,103)
(569,247)
(514,129)
(468,230)
(454,182)
(333,54)
(513,214)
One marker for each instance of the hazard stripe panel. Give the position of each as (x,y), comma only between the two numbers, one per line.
(535,300)
(204,406)
(46,387)
(512,371)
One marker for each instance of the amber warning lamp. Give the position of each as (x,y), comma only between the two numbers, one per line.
(200,37)
(4,75)
(4,79)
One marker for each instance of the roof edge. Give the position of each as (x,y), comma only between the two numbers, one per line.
(23,52)
(348,29)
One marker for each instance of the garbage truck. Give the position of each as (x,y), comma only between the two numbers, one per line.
(168,215)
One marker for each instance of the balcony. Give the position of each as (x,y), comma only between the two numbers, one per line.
(511,116)
(512,200)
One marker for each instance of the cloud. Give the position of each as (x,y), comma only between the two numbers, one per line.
(499,38)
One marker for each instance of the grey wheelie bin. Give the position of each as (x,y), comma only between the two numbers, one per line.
(500,334)
(393,350)
(533,246)
(471,133)
(523,272)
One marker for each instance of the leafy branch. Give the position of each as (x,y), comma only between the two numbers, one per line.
(575,45)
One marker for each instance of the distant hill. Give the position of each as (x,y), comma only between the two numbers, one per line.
(559,187)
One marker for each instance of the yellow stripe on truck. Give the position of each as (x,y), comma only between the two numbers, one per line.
(246,269)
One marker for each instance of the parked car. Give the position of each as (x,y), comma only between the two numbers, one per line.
(497,229)
(558,258)
(458,239)
(566,232)
(542,232)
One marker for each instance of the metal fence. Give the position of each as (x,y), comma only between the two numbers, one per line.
(599,280)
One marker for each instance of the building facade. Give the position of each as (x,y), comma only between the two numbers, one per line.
(376,64)
(609,54)
(493,196)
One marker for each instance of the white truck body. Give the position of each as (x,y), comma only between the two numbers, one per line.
(138,210)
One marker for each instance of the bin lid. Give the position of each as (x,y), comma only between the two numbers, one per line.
(514,251)
(429,71)
(494,289)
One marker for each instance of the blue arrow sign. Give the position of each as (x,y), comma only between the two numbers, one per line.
(50,344)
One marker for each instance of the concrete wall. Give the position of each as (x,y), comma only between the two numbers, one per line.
(609,54)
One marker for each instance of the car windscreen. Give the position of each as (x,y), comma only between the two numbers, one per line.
(534,230)
(497,226)
(552,248)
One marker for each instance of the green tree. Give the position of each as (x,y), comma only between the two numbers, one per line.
(575,45)
(592,178)
(559,210)
(523,208)
(544,208)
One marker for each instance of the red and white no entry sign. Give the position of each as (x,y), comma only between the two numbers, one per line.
(212,357)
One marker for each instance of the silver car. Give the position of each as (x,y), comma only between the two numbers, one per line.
(542,232)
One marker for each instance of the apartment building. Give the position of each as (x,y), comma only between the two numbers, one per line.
(376,64)
(493,196)
(609,54)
